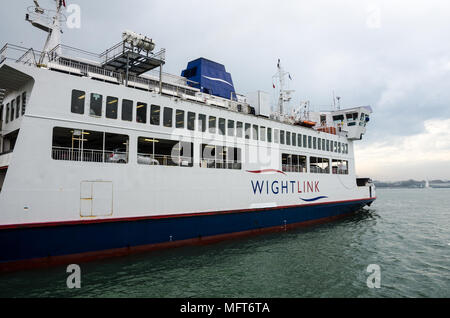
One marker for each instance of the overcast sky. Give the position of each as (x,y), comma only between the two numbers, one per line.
(392,55)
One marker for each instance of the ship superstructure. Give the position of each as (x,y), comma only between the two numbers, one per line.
(105,153)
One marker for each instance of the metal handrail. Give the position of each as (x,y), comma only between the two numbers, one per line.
(294,168)
(119,48)
(220,164)
(172,86)
(164,160)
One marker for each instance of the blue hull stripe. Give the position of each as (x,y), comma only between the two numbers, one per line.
(314,199)
(39,242)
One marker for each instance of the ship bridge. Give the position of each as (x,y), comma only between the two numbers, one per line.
(349,122)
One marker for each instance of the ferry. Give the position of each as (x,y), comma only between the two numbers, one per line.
(105,154)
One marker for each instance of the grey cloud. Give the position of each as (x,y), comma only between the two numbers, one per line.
(398,68)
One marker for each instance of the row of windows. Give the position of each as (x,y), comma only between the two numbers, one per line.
(153,151)
(226,127)
(298,163)
(88,145)
(15,108)
(220,157)
(94,146)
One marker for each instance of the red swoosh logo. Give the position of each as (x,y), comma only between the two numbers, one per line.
(266,170)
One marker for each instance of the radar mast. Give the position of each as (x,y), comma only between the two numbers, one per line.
(50,22)
(284,94)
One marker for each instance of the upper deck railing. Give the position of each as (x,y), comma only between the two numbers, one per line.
(72,60)
(75,61)
(118,49)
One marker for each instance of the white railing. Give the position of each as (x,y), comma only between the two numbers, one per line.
(316,169)
(339,170)
(164,160)
(177,86)
(220,164)
(294,168)
(88,155)
(122,48)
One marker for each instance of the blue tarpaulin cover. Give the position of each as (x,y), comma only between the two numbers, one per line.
(212,78)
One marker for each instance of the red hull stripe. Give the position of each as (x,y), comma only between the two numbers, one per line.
(139,218)
(266,170)
(97,255)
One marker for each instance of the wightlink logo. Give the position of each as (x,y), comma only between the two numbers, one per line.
(266,187)
(284,187)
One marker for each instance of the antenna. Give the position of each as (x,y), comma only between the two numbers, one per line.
(334,101)
(285,94)
(48,21)
(38,9)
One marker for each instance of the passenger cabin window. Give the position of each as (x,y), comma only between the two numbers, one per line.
(220,157)
(230,126)
(269,134)
(239,129)
(96,105)
(222,126)
(18,106)
(309,142)
(255,132)
(305,142)
(247,131)
(191,121)
(202,122)
(293,163)
(112,104)
(7,113)
(276,137)
(212,124)
(89,146)
(24,102)
(288,138)
(263,133)
(299,140)
(127,110)
(314,143)
(294,139)
(12,110)
(179,118)
(78,99)
(164,152)
(155,112)
(167,117)
(282,141)
(339,166)
(319,165)
(141,112)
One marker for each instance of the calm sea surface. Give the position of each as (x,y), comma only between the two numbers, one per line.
(406,232)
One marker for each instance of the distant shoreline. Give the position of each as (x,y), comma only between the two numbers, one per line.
(413,184)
